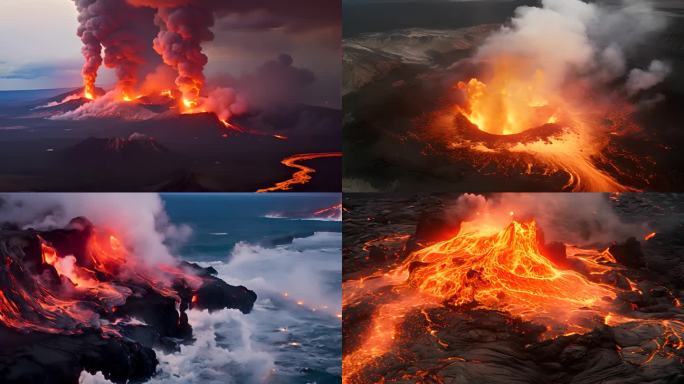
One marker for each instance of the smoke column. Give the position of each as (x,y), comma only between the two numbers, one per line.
(116,27)
(181,33)
(92,47)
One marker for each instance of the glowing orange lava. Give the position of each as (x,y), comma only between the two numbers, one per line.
(505,271)
(101,276)
(303,175)
(509,103)
(189,104)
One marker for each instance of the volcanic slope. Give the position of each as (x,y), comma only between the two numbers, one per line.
(166,151)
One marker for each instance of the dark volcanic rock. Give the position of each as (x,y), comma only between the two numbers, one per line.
(216,294)
(436,227)
(132,153)
(60,359)
(629,253)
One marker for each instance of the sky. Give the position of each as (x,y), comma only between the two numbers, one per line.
(39,48)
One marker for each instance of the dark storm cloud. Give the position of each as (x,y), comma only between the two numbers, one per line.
(276,81)
(39,70)
(293,15)
(299,15)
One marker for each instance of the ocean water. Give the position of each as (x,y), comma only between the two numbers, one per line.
(220,221)
(274,245)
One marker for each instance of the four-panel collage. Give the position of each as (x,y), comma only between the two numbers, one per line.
(341,191)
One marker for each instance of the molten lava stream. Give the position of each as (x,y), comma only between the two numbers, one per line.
(502,270)
(87,288)
(303,175)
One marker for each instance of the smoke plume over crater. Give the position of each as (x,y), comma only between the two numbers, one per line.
(156,50)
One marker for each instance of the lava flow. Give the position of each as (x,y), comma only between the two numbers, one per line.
(78,279)
(485,267)
(303,175)
(330,213)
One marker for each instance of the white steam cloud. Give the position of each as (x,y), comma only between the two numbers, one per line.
(570,39)
(138,219)
(572,218)
(230,347)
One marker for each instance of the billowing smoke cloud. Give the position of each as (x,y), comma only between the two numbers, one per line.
(225,103)
(182,31)
(176,30)
(274,82)
(139,219)
(565,40)
(596,223)
(122,30)
(92,47)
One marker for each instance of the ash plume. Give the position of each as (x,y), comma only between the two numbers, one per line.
(181,33)
(92,47)
(119,29)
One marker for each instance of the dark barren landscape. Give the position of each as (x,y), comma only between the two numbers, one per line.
(163,152)
(67,301)
(416,86)
(513,288)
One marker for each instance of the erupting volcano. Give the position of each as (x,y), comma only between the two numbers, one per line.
(221,91)
(82,291)
(112,32)
(554,95)
(457,301)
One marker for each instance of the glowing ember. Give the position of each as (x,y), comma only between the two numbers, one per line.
(189,104)
(280,137)
(649,236)
(303,175)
